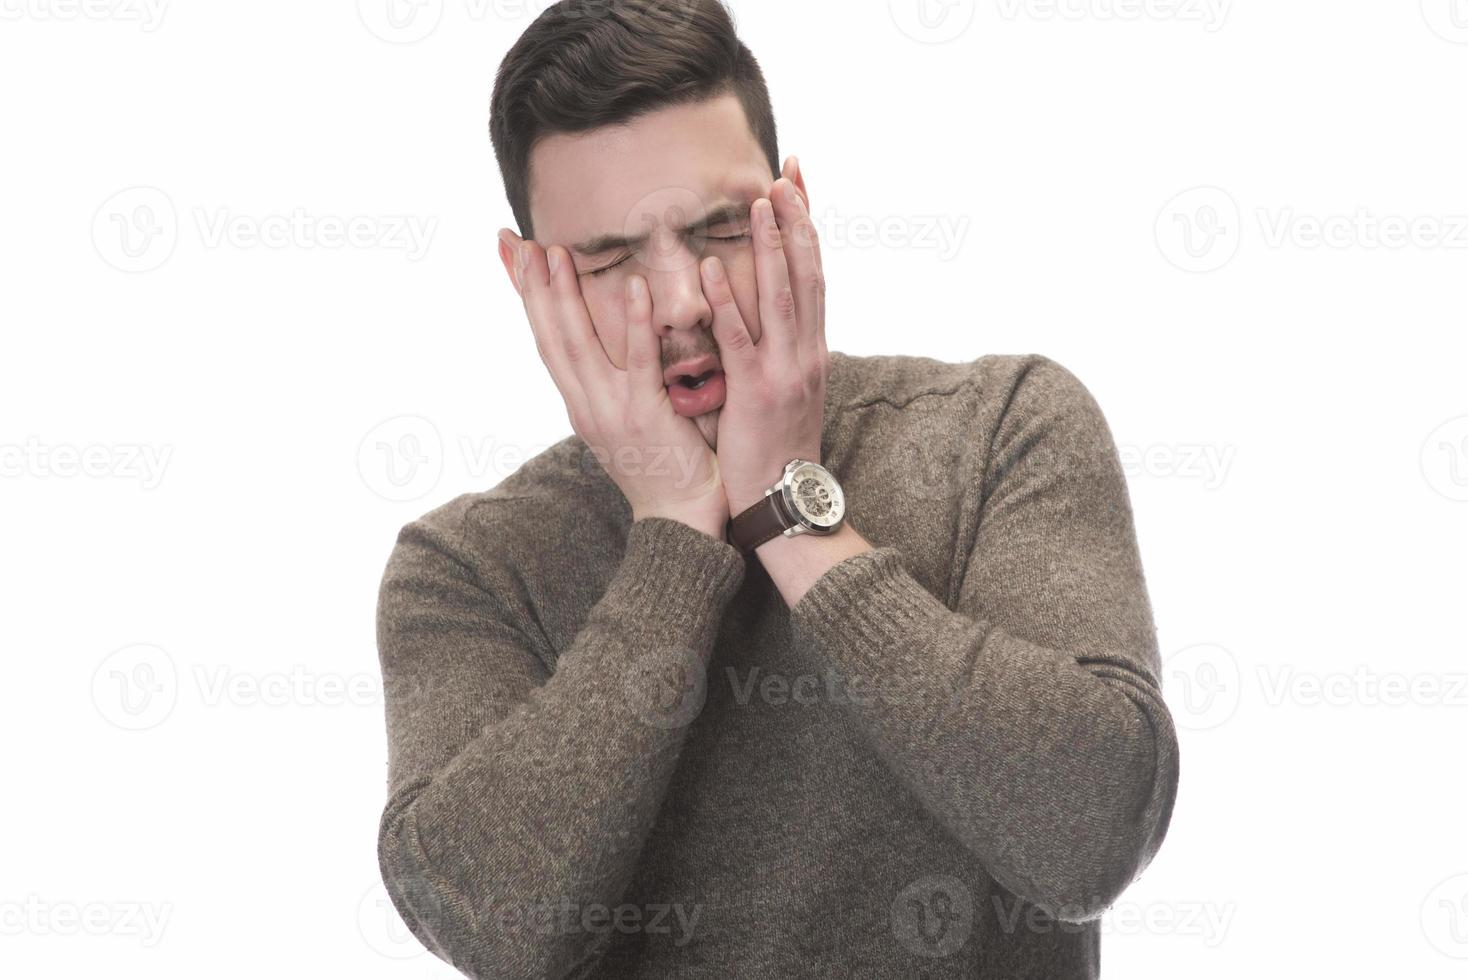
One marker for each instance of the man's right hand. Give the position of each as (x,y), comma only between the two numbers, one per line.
(656,457)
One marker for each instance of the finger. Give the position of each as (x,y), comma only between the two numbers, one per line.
(644,350)
(803,263)
(540,310)
(738,357)
(579,340)
(772,276)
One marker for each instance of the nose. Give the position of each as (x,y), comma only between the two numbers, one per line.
(679,306)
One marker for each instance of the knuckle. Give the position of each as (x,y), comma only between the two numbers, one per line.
(738,343)
(815,377)
(784,301)
(818,282)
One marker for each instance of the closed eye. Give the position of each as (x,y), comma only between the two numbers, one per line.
(608,268)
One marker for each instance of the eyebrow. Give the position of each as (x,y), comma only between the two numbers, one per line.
(729,211)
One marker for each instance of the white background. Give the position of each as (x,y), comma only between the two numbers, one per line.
(209,442)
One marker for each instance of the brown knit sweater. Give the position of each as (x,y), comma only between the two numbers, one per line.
(615,752)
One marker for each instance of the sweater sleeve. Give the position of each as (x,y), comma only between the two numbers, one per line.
(515,793)
(1029,718)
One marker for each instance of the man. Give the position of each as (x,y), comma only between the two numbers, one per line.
(900,717)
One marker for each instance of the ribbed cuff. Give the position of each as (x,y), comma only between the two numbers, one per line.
(866,611)
(674,581)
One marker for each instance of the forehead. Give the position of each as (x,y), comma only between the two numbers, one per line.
(676,160)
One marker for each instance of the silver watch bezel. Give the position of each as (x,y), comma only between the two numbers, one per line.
(786,489)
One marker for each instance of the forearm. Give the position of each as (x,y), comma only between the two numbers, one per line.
(1057,769)
(549,806)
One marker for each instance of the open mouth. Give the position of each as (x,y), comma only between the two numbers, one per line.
(693,383)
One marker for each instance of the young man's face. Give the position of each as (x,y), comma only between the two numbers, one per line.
(648,181)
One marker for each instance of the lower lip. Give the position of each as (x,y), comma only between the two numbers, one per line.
(689,402)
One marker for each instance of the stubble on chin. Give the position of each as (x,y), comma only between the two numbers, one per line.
(708,427)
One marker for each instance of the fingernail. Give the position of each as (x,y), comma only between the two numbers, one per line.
(714,270)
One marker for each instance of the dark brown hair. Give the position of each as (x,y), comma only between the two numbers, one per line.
(589,63)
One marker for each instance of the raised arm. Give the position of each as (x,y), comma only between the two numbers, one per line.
(1028,717)
(513,791)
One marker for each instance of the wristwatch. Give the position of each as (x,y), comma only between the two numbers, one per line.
(806,500)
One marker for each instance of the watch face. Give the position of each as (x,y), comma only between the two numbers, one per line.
(815,495)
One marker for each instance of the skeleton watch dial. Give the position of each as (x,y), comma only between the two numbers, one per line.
(815,495)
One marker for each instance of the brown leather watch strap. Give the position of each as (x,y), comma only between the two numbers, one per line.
(758,524)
